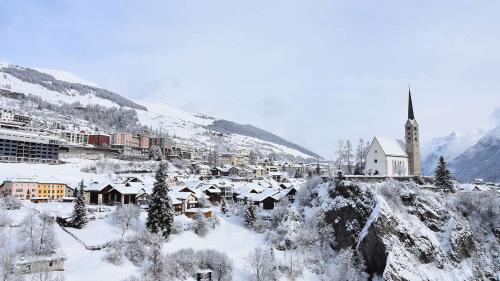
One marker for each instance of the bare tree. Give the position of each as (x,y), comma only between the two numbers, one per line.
(340,153)
(37,236)
(262,264)
(348,156)
(125,217)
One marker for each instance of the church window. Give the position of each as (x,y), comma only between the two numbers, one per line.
(375,161)
(409,138)
(415,139)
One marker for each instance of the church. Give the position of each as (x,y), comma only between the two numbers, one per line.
(394,157)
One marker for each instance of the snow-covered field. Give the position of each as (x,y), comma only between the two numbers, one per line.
(230,237)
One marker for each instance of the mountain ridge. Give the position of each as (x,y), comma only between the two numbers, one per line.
(191,128)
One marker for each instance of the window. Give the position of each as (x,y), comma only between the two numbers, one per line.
(375,161)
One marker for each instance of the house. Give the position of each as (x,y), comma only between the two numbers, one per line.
(258,171)
(121,194)
(95,191)
(277,176)
(19,189)
(212,191)
(225,171)
(51,190)
(226,189)
(266,199)
(69,191)
(33,264)
(204,171)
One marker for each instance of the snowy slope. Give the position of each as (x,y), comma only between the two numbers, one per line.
(60,87)
(449,147)
(482,160)
(66,76)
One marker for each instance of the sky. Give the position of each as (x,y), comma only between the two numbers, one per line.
(313,72)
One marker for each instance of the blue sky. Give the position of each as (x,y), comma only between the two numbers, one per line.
(313,72)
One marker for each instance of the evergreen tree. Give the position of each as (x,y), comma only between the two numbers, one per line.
(249,214)
(443,176)
(79,210)
(318,170)
(223,206)
(160,212)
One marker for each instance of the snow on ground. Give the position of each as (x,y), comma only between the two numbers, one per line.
(84,265)
(230,237)
(14,84)
(65,76)
(97,232)
(69,173)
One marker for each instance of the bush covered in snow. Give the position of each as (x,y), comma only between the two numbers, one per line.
(9,203)
(114,252)
(185,263)
(4,218)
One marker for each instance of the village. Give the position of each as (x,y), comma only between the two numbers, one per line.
(223,193)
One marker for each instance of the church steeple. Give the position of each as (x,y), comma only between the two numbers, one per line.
(412,139)
(411,116)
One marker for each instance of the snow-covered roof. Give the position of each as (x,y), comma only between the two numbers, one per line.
(392,147)
(96,186)
(210,187)
(181,195)
(270,192)
(127,189)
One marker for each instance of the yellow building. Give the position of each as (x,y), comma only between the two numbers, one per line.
(53,191)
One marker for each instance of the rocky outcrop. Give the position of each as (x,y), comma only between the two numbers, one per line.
(402,233)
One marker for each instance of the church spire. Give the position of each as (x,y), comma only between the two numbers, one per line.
(410,106)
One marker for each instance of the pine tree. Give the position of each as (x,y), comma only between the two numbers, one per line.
(223,206)
(79,210)
(160,212)
(249,214)
(443,176)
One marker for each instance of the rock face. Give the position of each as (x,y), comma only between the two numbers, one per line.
(403,233)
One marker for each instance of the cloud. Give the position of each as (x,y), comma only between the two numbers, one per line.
(496,115)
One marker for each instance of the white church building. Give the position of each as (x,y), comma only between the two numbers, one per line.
(394,157)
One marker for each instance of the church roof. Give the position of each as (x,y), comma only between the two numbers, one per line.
(392,147)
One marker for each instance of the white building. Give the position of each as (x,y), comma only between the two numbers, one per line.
(387,157)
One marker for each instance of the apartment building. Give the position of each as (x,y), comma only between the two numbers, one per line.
(21,146)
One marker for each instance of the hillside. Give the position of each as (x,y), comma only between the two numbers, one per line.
(482,160)
(449,147)
(55,95)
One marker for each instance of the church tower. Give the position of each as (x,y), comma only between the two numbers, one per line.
(412,140)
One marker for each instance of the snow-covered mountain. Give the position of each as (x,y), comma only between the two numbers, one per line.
(60,89)
(481,160)
(449,147)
